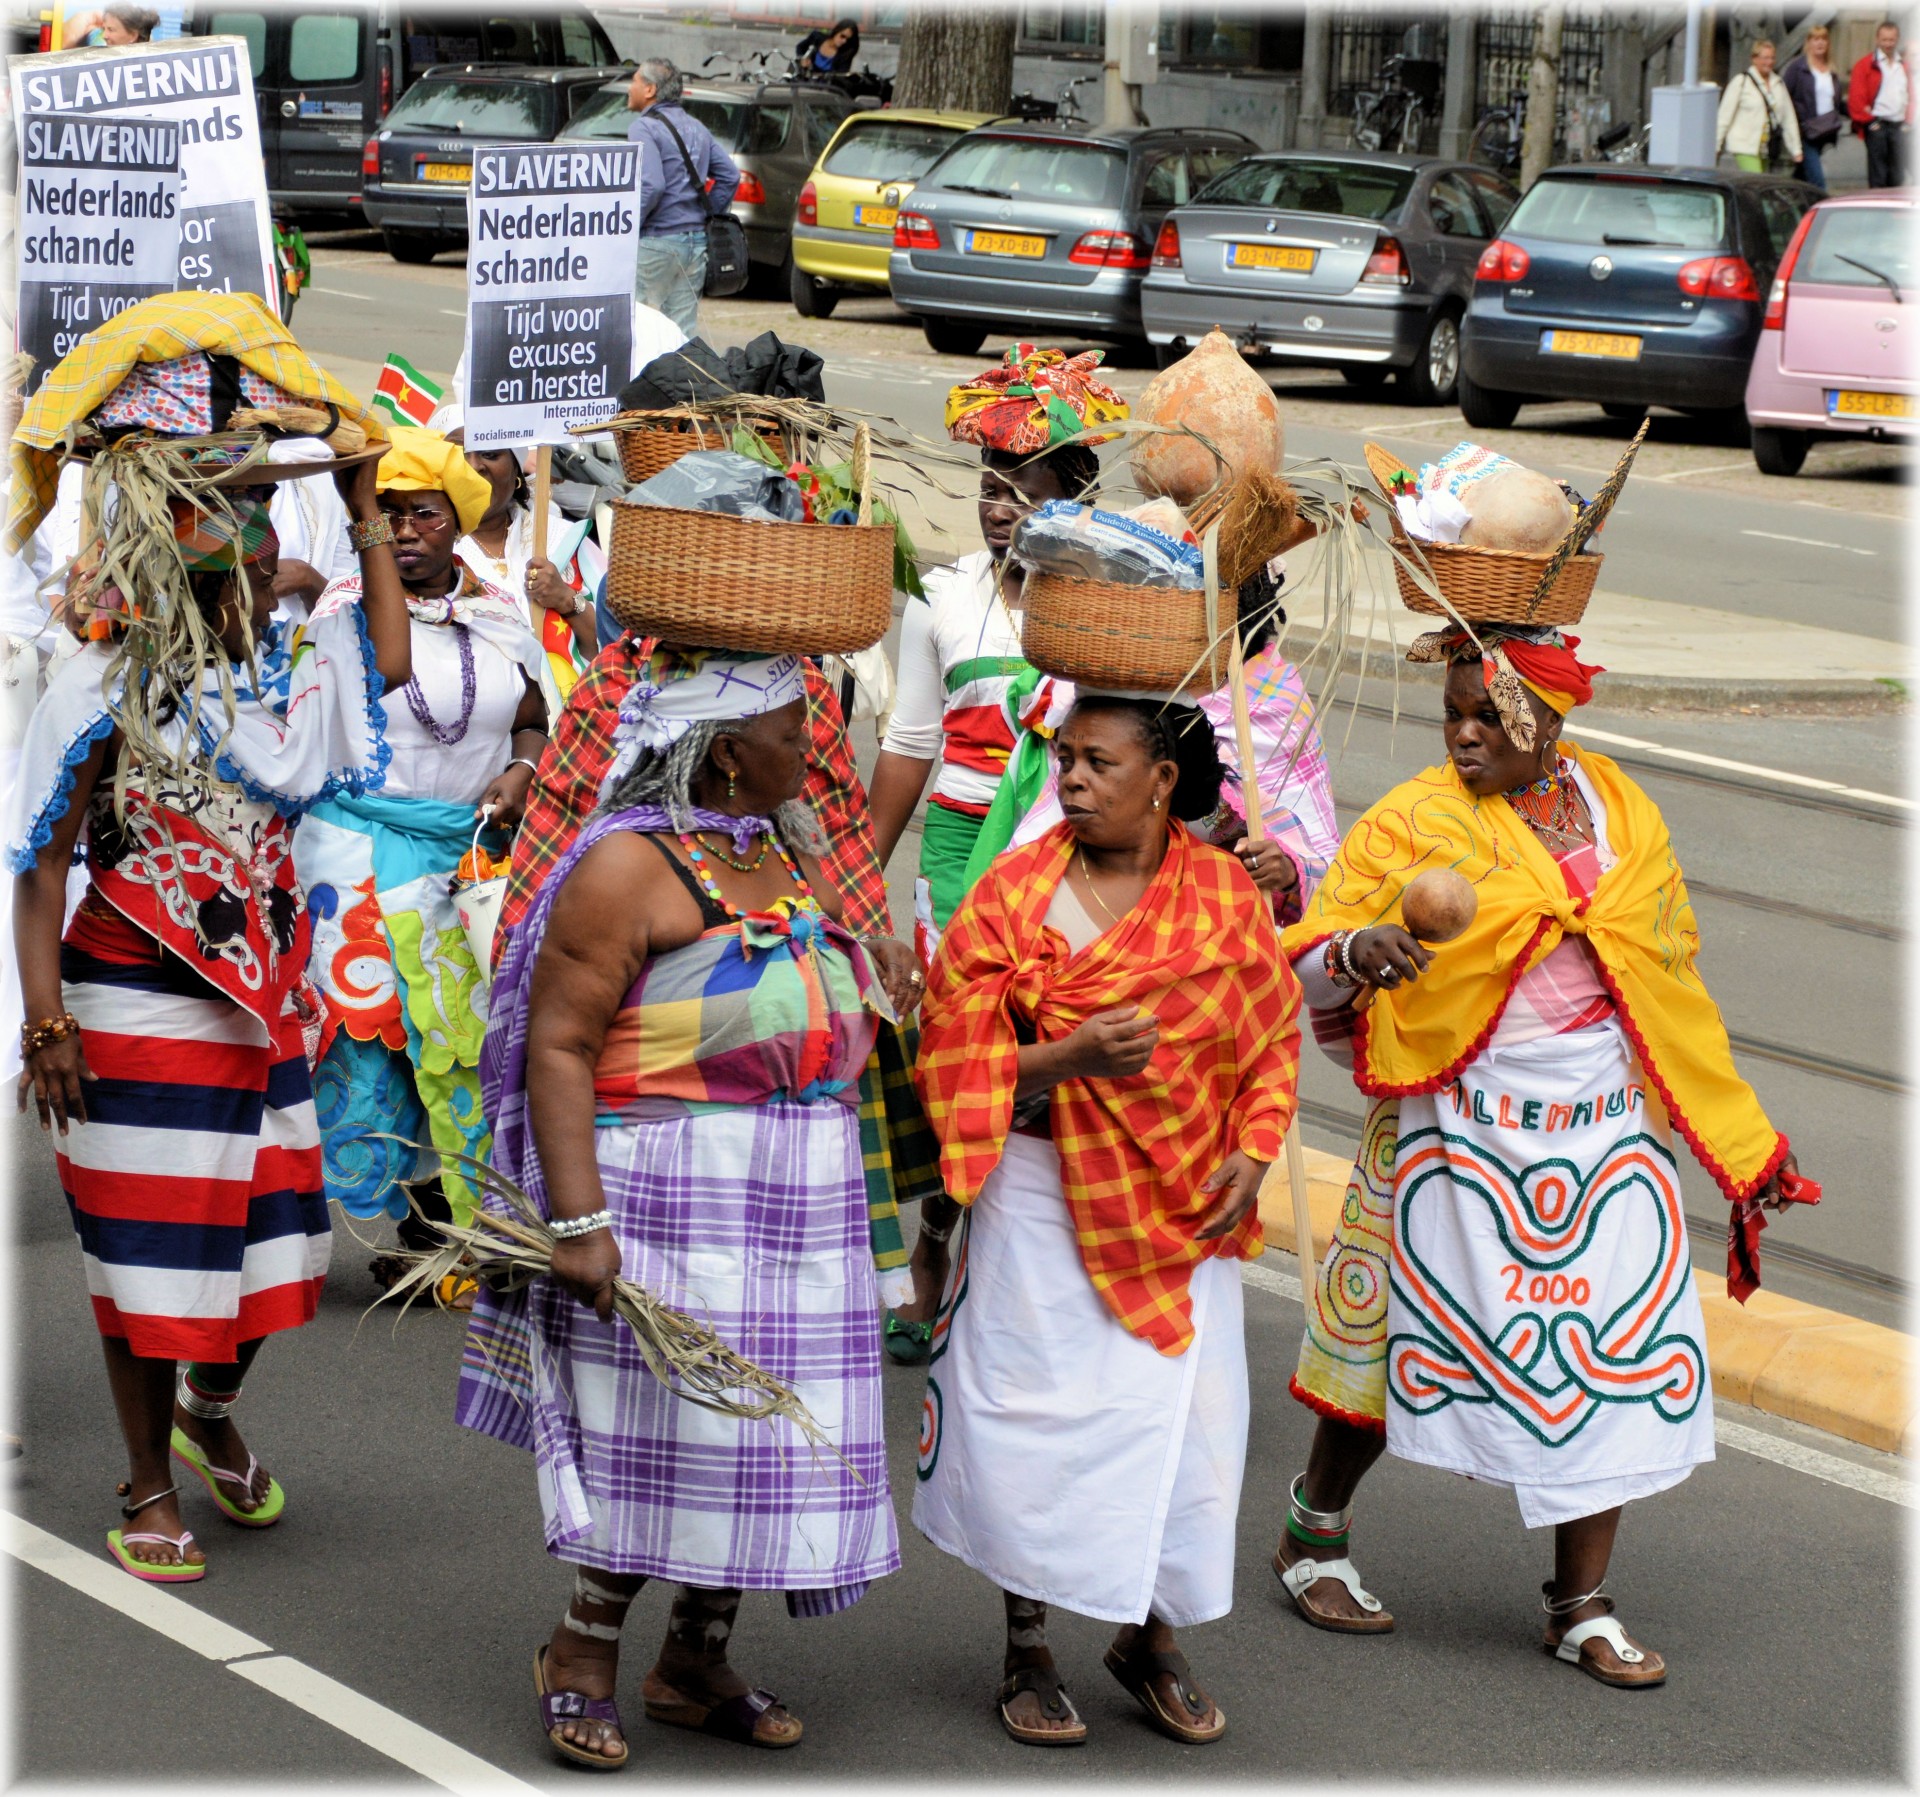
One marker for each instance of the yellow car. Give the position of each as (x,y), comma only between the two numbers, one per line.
(843,223)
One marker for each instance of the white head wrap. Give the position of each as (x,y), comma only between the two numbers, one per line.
(677,689)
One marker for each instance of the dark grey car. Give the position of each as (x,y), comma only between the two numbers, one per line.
(1047,226)
(1361,261)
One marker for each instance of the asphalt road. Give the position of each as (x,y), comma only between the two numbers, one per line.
(409,1570)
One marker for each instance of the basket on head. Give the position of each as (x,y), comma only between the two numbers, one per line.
(651,441)
(1489,585)
(750,585)
(1132,638)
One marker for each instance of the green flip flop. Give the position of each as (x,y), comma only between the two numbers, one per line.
(264,1517)
(907,1344)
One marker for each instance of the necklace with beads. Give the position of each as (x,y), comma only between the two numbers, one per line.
(739,867)
(1551,806)
(710,887)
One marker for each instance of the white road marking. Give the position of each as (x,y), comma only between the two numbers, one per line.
(1774,536)
(1710,468)
(1779,775)
(418,1749)
(1816,1465)
(450,312)
(342,293)
(1870,1481)
(167,1613)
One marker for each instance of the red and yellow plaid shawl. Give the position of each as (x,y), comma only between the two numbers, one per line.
(1199,951)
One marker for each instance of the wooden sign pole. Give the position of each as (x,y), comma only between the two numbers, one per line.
(1257,832)
(542,497)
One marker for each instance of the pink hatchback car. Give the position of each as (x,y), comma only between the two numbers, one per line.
(1839,346)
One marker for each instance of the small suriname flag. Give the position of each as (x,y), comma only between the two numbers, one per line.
(404,393)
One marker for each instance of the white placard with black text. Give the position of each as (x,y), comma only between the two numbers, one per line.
(102,133)
(551,234)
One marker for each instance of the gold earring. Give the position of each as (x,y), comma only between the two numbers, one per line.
(1156,804)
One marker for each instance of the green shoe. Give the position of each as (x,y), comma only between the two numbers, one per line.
(907,1344)
(189,1451)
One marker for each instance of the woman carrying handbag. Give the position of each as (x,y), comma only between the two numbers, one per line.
(1819,96)
(1757,120)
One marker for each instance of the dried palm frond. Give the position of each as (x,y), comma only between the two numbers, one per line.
(508,1249)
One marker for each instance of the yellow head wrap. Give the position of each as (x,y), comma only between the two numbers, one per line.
(425,462)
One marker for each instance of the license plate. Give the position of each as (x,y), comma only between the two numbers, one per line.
(876,218)
(1271,255)
(1847,403)
(1590,343)
(446,171)
(1004,243)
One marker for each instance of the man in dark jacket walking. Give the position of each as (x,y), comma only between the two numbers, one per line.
(670,262)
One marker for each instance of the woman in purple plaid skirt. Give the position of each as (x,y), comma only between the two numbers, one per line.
(672,1070)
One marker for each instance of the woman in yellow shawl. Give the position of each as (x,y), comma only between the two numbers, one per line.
(1509,1294)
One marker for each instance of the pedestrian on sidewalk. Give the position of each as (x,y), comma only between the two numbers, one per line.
(1819,102)
(1880,101)
(1512,1267)
(1085,1426)
(685,177)
(680,1023)
(1758,126)
(168,1030)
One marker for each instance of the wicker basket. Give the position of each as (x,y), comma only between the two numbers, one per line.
(1485,585)
(1133,638)
(651,441)
(713,581)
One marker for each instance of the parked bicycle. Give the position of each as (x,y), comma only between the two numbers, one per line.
(1623,144)
(1498,136)
(1392,117)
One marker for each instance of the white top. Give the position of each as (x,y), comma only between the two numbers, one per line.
(1822,89)
(1744,110)
(460,772)
(963,621)
(310,519)
(1891,101)
(509,572)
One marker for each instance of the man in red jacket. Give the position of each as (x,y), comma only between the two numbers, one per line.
(1880,103)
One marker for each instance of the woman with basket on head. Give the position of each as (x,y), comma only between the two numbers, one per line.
(960,648)
(168,1038)
(405,993)
(673,1072)
(1510,1294)
(1109,1056)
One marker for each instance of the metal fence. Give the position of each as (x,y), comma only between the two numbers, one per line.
(1358,50)
(1506,57)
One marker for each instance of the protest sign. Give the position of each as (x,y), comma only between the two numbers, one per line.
(93,126)
(551,233)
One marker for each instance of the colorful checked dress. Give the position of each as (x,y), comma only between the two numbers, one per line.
(727,1135)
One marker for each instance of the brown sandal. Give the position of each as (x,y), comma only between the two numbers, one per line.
(736,1718)
(1136,1671)
(1377,1621)
(1047,1685)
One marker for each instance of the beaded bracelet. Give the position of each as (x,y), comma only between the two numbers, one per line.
(1339,969)
(49,1030)
(369,533)
(564,1229)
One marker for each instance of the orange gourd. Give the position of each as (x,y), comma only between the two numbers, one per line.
(1210,390)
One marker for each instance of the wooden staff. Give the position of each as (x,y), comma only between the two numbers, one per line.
(1257,832)
(542,494)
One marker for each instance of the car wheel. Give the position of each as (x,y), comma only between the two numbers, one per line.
(1434,378)
(1626,414)
(811,298)
(1368,375)
(952,336)
(1485,409)
(416,247)
(1166,354)
(1779,452)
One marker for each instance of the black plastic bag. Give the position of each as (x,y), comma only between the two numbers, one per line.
(696,373)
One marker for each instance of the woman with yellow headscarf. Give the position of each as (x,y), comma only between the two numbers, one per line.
(1509,1293)
(405,998)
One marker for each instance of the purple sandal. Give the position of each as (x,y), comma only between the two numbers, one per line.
(557,1707)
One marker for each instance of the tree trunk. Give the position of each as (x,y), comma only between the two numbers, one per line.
(956,60)
(1543,95)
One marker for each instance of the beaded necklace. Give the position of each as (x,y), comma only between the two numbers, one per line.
(710,886)
(1551,805)
(740,867)
(446,734)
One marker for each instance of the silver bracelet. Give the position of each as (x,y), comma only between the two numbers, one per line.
(1354,975)
(522,761)
(564,1229)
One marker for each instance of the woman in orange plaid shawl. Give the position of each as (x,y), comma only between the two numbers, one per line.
(1109,1056)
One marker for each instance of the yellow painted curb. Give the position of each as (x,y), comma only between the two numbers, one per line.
(1790,1359)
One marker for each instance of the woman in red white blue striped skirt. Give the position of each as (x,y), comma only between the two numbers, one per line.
(166,1034)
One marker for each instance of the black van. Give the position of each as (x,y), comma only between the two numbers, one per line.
(327,73)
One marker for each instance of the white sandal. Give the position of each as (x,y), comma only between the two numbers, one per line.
(1308,1571)
(1605,1628)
